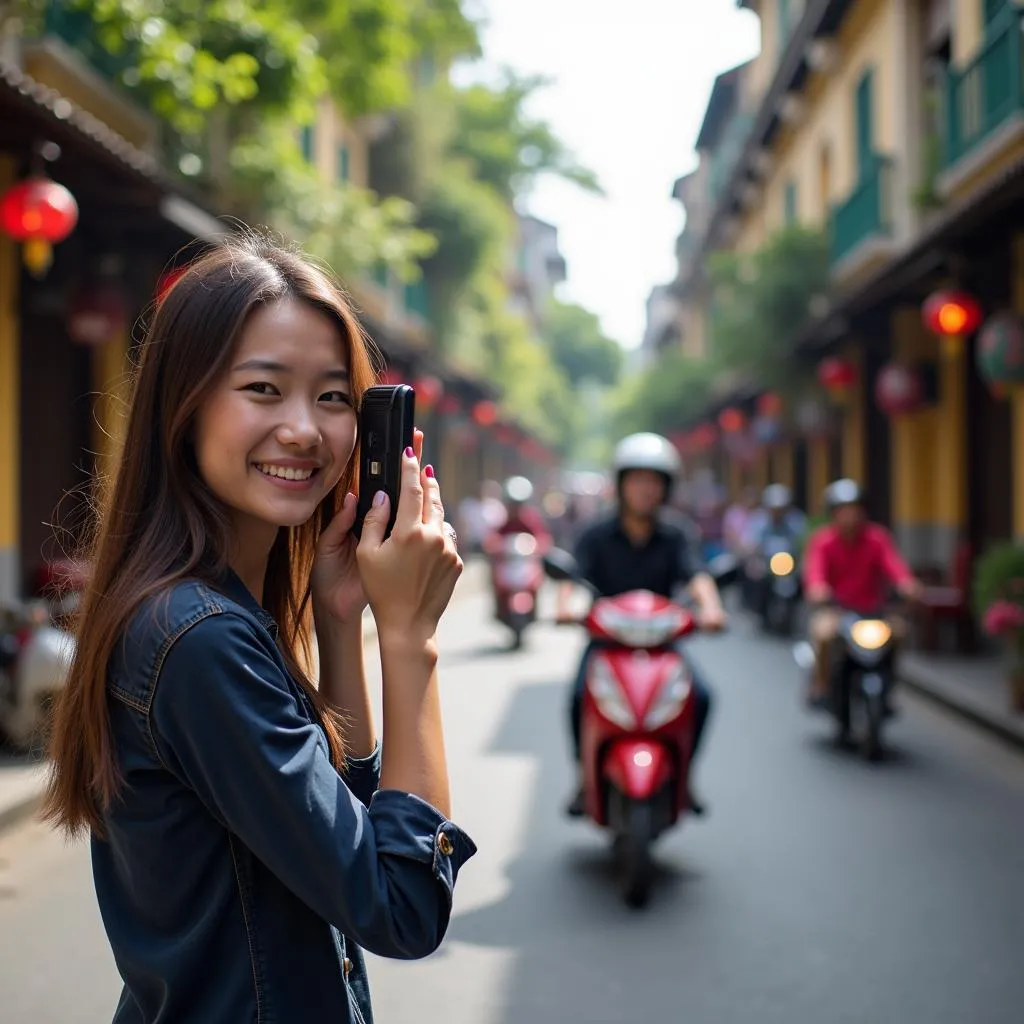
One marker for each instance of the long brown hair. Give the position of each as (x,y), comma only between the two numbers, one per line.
(157,522)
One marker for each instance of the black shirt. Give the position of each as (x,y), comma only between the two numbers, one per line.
(611,562)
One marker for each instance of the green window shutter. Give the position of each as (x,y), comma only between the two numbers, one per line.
(344,168)
(784,23)
(306,140)
(865,123)
(991,10)
(790,201)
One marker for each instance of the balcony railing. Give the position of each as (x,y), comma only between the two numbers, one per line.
(728,151)
(989,90)
(866,214)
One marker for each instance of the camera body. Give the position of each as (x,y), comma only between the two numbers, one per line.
(385,431)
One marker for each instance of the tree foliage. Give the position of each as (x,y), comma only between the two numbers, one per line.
(664,396)
(579,345)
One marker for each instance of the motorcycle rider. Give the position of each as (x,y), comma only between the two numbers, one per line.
(638,548)
(777,517)
(520,515)
(850,563)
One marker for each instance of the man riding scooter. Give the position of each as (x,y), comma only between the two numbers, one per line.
(638,548)
(849,564)
(776,525)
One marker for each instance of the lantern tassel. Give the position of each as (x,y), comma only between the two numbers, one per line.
(37,255)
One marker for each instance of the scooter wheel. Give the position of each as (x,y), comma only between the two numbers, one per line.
(633,848)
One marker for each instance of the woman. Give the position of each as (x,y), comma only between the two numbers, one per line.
(242,852)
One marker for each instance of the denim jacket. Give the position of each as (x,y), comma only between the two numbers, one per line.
(241,873)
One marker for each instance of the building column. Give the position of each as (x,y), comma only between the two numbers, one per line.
(110,386)
(917,453)
(10,406)
(853,461)
(817,473)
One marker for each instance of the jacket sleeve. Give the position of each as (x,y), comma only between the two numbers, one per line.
(362,775)
(226,723)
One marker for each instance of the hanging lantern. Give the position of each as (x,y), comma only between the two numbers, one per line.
(769,405)
(485,413)
(732,420)
(952,316)
(899,390)
(428,392)
(1000,352)
(39,213)
(450,405)
(837,376)
(97,315)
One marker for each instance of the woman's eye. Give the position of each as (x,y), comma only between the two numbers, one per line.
(261,387)
(336,396)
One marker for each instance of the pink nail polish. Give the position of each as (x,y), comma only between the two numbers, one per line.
(430,472)
(379,498)
(409,453)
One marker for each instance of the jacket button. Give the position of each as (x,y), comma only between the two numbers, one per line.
(347,966)
(444,844)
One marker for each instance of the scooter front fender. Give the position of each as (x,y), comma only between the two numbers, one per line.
(637,768)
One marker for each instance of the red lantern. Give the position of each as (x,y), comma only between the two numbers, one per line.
(449,405)
(837,375)
(898,390)
(39,213)
(1000,353)
(731,420)
(952,316)
(769,405)
(96,316)
(428,391)
(485,413)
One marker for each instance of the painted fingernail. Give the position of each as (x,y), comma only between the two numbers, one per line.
(409,453)
(379,498)
(430,472)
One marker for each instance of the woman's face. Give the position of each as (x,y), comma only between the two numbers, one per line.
(279,429)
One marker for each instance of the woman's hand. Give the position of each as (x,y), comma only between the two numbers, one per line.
(337,584)
(409,578)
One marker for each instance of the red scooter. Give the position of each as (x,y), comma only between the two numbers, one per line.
(637,725)
(517,574)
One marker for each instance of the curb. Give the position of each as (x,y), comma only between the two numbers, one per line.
(1007,731)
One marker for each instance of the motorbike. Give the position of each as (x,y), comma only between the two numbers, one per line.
(517,578)
(862,679)
(35,657)
(779,592)
(637,722)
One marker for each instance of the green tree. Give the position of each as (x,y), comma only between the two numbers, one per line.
(579,346)
(505,147)
(665,396)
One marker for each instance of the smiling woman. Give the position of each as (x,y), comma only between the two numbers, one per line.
(233,802)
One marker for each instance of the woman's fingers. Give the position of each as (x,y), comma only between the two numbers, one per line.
(338,528)
(417,444)
(433,507)
(410,501)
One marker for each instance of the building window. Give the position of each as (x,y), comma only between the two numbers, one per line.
(344,163)
(306,140)
(790,203)
(865,123)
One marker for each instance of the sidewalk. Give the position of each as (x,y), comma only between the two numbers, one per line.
(973,687)
(21,782)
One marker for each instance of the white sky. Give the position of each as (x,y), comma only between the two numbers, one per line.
(631,81)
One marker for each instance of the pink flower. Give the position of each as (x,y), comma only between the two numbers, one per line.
(1003,617)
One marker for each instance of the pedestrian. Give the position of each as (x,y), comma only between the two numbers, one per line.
(246,837)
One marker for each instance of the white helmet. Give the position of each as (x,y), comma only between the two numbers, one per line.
(647,451)
(517,490)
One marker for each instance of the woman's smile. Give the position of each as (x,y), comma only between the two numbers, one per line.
(289,475)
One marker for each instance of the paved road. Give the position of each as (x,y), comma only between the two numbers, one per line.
(820,890)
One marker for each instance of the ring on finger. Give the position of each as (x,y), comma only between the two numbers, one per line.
(451,534)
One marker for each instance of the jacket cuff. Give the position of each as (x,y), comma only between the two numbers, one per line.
(407,826)
(362,775)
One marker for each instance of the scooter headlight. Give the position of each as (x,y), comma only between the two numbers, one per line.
(670,700)
(782,563)
(607,692)
(871,634)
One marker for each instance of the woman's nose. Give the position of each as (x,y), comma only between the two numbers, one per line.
(300,427)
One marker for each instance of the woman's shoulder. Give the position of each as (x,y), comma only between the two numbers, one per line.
(190,611)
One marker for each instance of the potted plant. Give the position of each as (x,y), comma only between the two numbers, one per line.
(999,604)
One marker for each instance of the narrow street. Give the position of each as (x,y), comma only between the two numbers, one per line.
(820,890)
